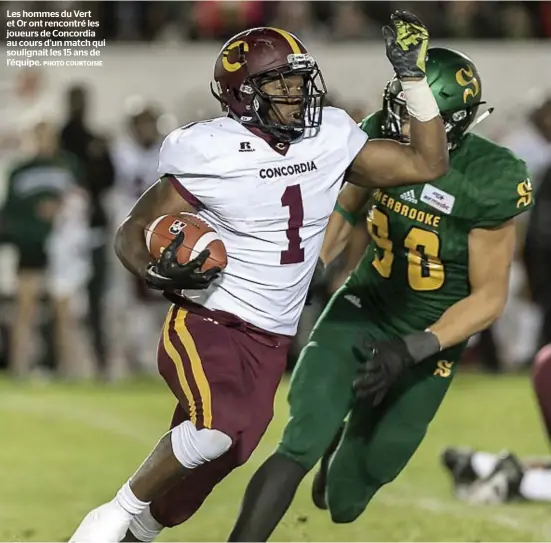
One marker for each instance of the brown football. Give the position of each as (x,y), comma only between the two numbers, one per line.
(198,236)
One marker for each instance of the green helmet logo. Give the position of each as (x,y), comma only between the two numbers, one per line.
(466,78)
(457,88)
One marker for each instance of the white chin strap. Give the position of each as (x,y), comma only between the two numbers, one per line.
(481,117)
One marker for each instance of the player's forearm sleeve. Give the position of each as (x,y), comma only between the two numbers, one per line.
(348,216)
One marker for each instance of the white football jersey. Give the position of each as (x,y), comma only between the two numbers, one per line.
(269,209)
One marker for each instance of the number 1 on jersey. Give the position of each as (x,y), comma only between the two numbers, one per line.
(292,198)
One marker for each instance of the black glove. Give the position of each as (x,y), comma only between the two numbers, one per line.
(407,41)
(168,274)
(383,361)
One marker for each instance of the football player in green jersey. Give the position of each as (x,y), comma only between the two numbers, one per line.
(385,349)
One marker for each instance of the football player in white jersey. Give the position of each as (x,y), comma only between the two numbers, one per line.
(266,176)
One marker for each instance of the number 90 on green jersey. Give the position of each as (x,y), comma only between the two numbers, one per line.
(425,271)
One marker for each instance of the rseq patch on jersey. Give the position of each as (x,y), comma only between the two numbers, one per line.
(437,198)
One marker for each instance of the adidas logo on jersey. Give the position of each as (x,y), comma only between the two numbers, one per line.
(409,196)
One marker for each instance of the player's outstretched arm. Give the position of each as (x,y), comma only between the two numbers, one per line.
(351,201)
(384,163)
(160,199)
(342,222)
(490,256)
(387,163)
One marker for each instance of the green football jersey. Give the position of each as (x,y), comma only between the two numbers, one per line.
(417,263)
(30,184)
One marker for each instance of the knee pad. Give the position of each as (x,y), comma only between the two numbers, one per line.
(194,447)
(144,527)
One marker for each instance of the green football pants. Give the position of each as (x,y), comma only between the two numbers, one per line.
(377,442)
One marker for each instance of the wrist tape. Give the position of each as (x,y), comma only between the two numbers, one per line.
(420,101)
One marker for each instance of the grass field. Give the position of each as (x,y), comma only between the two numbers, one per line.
(65,449)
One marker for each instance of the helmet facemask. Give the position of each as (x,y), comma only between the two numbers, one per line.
(394,114)
(268,107)
(457,123)
(265,110)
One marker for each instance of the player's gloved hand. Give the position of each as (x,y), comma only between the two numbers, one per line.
(382,362)
(407,41)
(168,274)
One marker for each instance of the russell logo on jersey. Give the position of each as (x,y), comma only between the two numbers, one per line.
(245,147)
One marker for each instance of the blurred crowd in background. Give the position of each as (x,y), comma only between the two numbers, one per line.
(342,20)
(73,312)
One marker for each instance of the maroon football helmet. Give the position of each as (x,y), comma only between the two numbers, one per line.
(255,57)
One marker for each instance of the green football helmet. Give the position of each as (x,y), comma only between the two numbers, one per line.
(455,83)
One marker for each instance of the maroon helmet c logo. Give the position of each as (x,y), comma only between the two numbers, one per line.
(233,66)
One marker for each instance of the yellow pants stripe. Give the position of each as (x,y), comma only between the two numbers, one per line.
(290,38)
(179,365)
(196,366)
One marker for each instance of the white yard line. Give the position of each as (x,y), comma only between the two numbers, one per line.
(96,419)
(463,511)
(99,420)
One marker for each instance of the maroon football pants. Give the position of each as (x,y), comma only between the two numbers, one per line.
(224,373)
